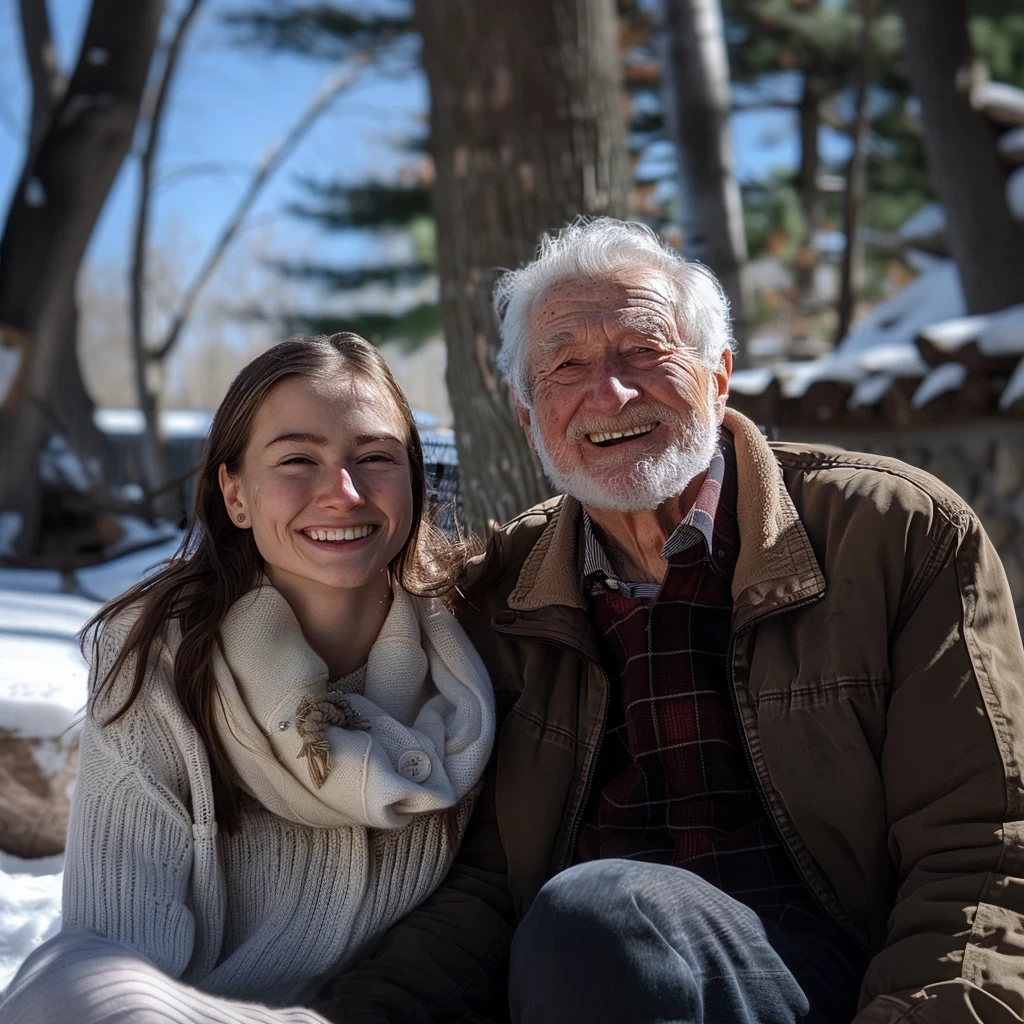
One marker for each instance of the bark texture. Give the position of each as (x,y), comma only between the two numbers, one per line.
(527,133)
(699,104)
(56,204)
(985,241)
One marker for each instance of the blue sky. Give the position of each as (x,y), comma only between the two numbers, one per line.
(228,107)
(231,104)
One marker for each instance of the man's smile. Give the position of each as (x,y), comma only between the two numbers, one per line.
(613,437)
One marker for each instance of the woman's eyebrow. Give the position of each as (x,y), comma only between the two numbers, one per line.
(300,438)
(362,439)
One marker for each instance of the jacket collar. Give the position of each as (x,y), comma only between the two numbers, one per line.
(776,565)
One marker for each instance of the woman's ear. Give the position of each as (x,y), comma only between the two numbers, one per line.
(234,501)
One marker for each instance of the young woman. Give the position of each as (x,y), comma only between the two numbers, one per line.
(286,726)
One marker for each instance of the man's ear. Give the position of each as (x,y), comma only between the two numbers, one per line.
(526,422)
(721,379)
(230,487)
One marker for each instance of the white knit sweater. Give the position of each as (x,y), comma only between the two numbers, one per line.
(269,912)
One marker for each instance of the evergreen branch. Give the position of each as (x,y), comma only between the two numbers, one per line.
(352,278)
(336,206)
(321,31)
(410,328)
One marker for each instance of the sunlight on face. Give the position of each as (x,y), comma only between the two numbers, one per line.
(325,483)
(624,414)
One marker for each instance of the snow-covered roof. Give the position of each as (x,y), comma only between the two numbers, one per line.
(919,347)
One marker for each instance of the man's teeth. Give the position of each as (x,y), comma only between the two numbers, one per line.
(348,533)
(614,434)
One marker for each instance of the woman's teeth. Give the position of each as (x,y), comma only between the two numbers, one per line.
(348,533)
(614,435)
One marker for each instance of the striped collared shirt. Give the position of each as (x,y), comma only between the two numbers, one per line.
(697,526)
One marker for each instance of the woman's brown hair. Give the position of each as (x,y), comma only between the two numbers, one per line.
(217,562)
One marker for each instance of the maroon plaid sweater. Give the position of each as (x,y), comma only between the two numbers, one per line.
(672,783)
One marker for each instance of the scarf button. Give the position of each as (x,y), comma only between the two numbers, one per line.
(414,765)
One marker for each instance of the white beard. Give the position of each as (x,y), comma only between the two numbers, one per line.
(648,482)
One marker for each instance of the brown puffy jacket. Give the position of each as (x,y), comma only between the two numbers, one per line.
(878,678)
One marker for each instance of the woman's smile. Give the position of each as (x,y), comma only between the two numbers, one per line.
(339,538)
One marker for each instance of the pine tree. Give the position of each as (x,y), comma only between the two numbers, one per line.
(393,208)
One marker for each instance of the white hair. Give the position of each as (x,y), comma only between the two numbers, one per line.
(592,248)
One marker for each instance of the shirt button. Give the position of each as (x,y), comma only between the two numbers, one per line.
(414,765)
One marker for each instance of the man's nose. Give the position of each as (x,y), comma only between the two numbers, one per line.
(612,392)
(343,490)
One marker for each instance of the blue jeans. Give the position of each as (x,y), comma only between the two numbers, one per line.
(625,941)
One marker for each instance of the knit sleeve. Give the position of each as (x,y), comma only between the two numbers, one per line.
(130,839)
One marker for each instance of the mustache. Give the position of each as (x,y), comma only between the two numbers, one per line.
(635,415)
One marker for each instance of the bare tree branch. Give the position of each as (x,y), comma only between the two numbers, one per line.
(205,168)
(331,88)
(154,108)
(43,69)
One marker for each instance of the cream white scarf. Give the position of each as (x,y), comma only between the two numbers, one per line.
(416,740)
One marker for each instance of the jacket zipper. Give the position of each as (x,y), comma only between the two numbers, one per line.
(844,922)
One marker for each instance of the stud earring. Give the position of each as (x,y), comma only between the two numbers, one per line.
(240,517)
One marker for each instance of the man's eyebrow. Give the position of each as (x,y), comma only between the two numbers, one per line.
(551,341)
(300,438)
(639,321)
(362,439)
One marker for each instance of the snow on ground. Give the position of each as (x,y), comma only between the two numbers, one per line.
(42,671)
(43,679)
(29,907)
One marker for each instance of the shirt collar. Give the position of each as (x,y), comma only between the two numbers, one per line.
(697,526)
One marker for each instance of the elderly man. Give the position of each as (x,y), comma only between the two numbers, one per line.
(762,758)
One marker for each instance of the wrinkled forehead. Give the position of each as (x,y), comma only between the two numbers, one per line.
(640,300)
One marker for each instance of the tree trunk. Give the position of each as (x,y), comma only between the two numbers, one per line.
(527,133)
(807,187)
(853,198)
(985,241)
(698,105)
(58,199)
